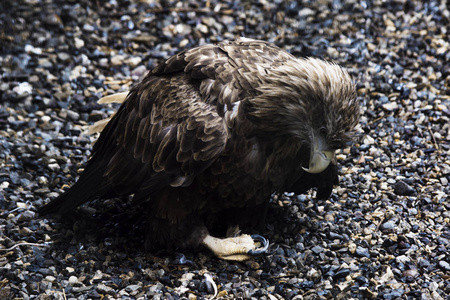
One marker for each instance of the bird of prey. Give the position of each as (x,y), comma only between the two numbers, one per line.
(211,133)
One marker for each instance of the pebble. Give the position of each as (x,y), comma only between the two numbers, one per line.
(65,57)
(117,60)
(363,252)
(73,115)
(73,280)
(388,215)
(403,189)
(103,289)
(388,226)
(444,265)
(313,275)
(390,106)
(317,249)
(132,61)
(103,62)
(79,43)
(30,49)
(23,89)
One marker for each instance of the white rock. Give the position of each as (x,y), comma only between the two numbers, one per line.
(73,280)
(50,278)
(117,60)
(33,50)
(103,62)
(402,259)
(54,167)
(79,43)
(46,119)
(390,106)
(368,140)
(23,89)
(22,205)
(133,61)
(305,12)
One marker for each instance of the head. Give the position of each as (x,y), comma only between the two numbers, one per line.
(311,100)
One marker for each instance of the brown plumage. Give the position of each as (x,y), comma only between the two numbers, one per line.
(212,132)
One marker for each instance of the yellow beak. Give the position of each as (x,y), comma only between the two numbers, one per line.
(320,156)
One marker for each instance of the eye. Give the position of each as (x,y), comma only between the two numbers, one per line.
(323,131)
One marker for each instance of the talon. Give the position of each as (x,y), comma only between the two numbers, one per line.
(264,245)
(273,250)
(238,248)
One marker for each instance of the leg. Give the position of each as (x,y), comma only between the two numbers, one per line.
(172,226)
(238,248)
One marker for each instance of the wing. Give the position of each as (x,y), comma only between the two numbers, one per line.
(162,135)
(175,123)
(229,72)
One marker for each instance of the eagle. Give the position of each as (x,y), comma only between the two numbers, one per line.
(210,134)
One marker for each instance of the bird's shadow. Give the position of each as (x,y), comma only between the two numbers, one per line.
(121,226)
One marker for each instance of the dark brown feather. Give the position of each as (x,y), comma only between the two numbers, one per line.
(217,129)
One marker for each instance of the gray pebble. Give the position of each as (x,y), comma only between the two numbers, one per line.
(403,189)
(388,226)
(391,202)
(444,265)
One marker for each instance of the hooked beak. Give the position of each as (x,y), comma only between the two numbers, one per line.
(320,156)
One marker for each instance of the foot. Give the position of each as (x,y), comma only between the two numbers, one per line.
(238,248)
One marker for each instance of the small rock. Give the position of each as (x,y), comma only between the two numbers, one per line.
(53,167)
(33,50)
(23,89)
(88,27)
(132,61)
(139,71)
(444,265)
(402,259)
(63,56)
(401,188)
(341,274)
(390,106)
(133,289)
(103,62)
(104,289)
(305,12)
(412,211)
(73,280)
(117,60)
(79,43)
(388,226)
(73,115)
(317,249)
(363,252)
(410,274)
(50,278)
(313,275)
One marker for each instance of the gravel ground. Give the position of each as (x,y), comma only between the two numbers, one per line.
(384,233)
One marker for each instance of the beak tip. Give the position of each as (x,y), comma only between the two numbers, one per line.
(319,162)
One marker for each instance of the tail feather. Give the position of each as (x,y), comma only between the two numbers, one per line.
(99,125)
(90,186)
(114,98)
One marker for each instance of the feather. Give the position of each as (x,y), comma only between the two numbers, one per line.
(114,98)
(211,133)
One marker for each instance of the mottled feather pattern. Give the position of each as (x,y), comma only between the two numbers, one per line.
(213,131)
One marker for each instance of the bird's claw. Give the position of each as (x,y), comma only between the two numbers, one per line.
(264,245)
